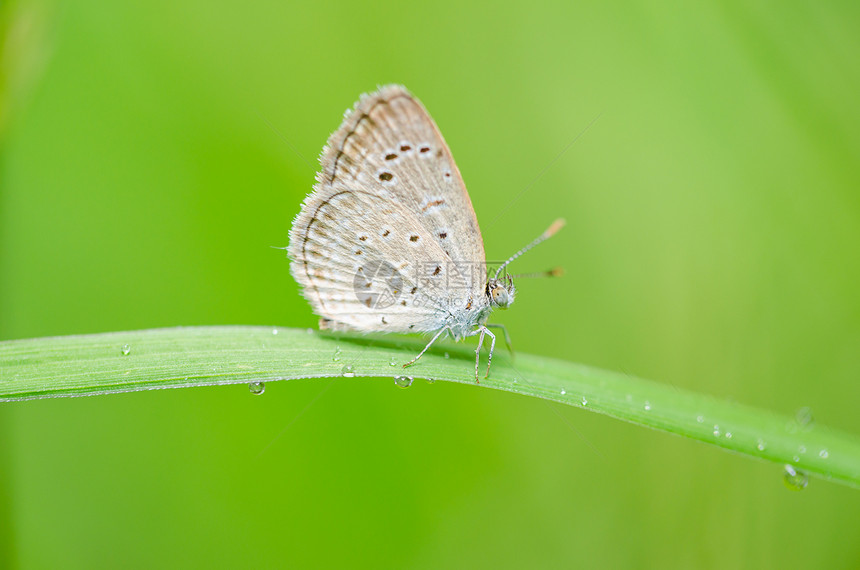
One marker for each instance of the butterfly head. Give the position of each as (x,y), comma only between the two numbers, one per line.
(500,289)
(501,292)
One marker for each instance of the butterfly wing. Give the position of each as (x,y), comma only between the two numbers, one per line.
(390,143)
(366,263)
(388,239)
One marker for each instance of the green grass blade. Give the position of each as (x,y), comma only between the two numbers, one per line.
(203,356)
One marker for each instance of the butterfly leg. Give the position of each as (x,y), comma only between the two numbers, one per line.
(429,344)
(507,336)
(480,332)
(492,348)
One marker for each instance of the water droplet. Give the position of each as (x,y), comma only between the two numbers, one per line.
(563,392)
(647,406)
(126,349)
(274,331)
(795,479)
(392,362)
(700,419)
(804,418)
(336,356)
(717,431)
(584,401)
(257,388)
(796,459)
(760,445)
(728,435)
(348,371)
(309,331)
(403,381)
(431,380)
(447,356)
(802,449)
(823,454)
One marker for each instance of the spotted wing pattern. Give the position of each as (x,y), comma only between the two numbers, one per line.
(388,239)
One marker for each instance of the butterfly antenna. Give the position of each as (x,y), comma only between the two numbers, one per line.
(550,231)
(554,272)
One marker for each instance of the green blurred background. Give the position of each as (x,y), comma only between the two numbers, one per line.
(712,243)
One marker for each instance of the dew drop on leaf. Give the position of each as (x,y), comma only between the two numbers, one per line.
(403,381)
(795,479)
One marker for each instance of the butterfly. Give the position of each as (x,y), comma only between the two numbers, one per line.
(388,240)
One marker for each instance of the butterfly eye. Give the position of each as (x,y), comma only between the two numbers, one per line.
(500,297)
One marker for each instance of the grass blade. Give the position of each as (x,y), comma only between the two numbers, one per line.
(96,364)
